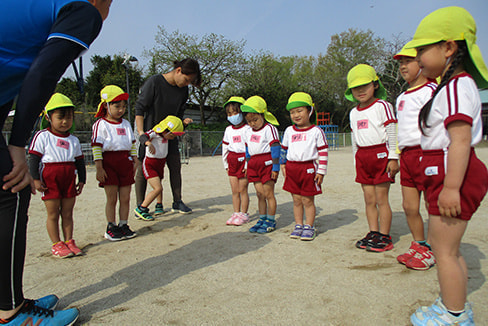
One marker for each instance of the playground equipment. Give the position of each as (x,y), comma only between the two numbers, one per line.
(331,131)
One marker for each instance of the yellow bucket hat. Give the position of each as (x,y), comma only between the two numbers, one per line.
(363,74)
(457,24)
(256,104)
(110,93)
(56,101)
(235,99)
(299,99)
(172,124)
(404,52)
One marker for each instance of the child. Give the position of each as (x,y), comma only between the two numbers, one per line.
(419,256)
(304,144)
(156,142)
(115,157)
(55,159)
(234,158)
(455,179)
(263,148)
(373,134)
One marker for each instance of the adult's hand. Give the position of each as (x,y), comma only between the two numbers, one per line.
(19,177)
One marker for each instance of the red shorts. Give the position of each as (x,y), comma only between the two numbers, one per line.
(371,163)
(119,167)
(236,163)
(411,175)
(300,177)
(59,179)
(153,167)
(473,189)
(259,168)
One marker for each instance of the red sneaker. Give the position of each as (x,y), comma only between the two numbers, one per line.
(422,260)
(74,249)
(402,259)
(60,250)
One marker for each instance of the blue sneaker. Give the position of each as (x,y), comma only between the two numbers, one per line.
(159,209)
(180,207)
(267,226)
(143,213)
(30,314)
(437,315)
(297,232)
(258,225)
(47,302)
(308,233)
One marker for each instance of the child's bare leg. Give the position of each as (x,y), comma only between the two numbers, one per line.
(310,211)
(383,207)
(52,223)
(124,202)
(270,197)
(111,192)
(297,208)
(370,205)
(236,199)
(67,205)
(446,234)
(411,207)
(153,194)
(244,195)
(262,207)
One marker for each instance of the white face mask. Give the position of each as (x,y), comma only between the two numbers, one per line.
(235,119)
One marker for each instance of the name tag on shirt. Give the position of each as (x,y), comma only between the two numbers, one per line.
(62,143)
(255,138)
(236,139)
(121,132)
(363,124)
(401,105)
(298,137)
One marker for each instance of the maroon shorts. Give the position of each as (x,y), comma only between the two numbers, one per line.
(59,179)
(411,175)
(300,178)
(119,167)
(259,168)
(153,167)
(371,163)
(236,163)
(473,189)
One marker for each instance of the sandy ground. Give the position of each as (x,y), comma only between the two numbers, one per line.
(194,270)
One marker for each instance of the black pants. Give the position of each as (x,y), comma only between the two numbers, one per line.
(173,162)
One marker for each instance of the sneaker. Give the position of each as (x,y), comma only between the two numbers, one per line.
(258,225)
(127,233)
(380,243)
(179,206)
(363,243)
(422,260)
(74,248)
(267,226)
(232,218)
(143,213)
(297,232)
(31,314)
(60,250)
(308,233)
(402,259)
(159,209)
(437,315)
(114,233)
(241,218)
(48,302)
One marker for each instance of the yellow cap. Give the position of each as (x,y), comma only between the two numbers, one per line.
(363,74)
(299,99)
(172,124)
(235,99)
(457,24)
(56,101)
(256,104)
(110,93)
(404,52)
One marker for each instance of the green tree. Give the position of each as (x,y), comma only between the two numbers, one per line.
(220,60)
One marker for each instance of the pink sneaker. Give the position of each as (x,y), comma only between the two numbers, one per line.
(74,249)
(414,247)
(231,219)
(60,250)
(241,219)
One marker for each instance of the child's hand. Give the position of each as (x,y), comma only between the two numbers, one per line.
(79,187)
(136,163)
(151,148)
(283,170)
(392,168)
(101,175)
(319,178)
(449,202)
(39,186)
(274,175)
(187,121)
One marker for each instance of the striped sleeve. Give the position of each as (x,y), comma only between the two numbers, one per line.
(323,160)
(97,152)
(390,116)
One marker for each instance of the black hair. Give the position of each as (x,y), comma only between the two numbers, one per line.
(62,111)
(189,67)
(233,105)
(457,60)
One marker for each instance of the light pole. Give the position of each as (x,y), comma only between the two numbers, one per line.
(127,59)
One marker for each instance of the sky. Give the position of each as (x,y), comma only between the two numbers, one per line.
(282,27)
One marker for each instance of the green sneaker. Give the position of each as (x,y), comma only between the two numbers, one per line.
(143,214)
(159,209)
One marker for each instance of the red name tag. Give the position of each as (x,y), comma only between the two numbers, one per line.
(121,132)
(255,138)
(236,139)
(62,143)
(298,137)
(363,124)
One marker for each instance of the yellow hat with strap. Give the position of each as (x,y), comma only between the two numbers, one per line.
(363,74)
(235,99)
(110,93)
(404,52)
(56,101)
(172,124)
(256,104)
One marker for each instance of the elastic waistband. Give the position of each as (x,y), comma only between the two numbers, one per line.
(59,163)
(411,148)
(436,152)
(372,146)
(116,153)
(300,162)
(262,154)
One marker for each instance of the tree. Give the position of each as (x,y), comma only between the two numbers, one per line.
(220,60)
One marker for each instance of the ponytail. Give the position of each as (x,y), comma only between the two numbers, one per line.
(457,60)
